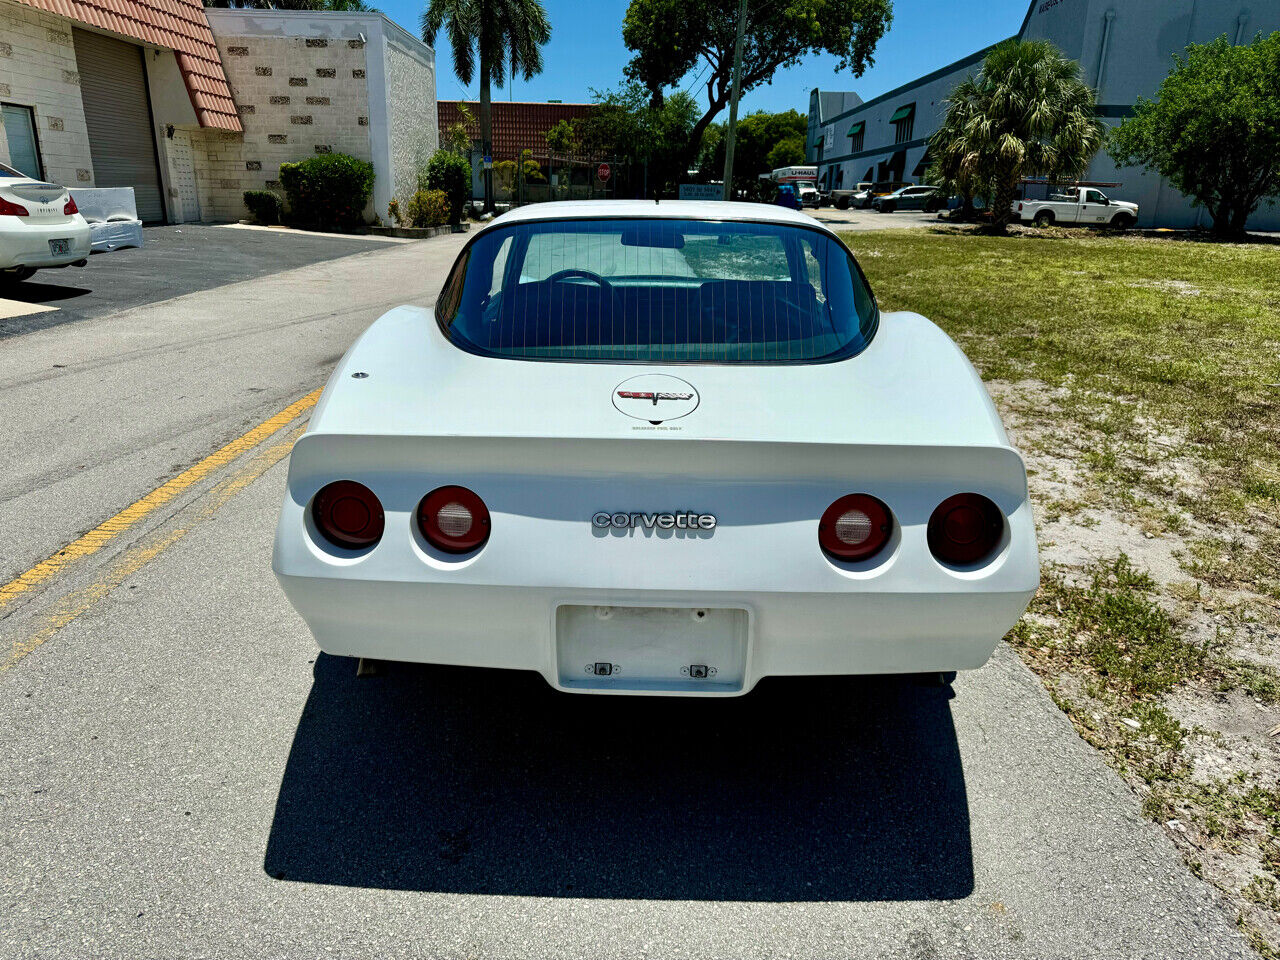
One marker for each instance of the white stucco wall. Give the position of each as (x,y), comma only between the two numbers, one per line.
(412,125)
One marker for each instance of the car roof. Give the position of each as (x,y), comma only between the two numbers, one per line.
(710,210)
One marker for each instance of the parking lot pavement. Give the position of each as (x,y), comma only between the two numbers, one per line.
(173,261)
(858,220)
(183,775)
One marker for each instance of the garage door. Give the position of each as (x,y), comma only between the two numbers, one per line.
(113,86)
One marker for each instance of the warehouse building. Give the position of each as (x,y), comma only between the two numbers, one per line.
(1125,48)
(191,107)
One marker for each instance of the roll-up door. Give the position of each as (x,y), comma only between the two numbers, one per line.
(117,111)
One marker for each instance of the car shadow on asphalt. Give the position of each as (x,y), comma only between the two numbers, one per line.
(33,291)
(488,782)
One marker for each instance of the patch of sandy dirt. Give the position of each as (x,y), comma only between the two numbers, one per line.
(1229,731)
(1181,287)
(1230,734)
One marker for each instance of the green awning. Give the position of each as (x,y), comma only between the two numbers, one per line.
(857,128)
(902,113)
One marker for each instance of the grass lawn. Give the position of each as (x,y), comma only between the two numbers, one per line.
(1141,379)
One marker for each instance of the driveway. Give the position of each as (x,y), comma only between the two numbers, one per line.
(181,774)
(173,261)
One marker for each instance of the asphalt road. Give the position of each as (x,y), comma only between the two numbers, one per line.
(173,261)
(182,775)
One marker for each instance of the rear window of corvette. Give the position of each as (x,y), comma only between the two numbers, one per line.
(658,291)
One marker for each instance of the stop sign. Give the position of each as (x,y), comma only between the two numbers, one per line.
(603,172)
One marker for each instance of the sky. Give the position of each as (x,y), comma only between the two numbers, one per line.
(586,51)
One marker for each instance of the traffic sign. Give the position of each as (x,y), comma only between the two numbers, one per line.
(603,172)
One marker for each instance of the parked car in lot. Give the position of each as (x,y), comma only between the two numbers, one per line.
(1078,205)
(843,199)
(657,449)
(927,199)
(40,227)
(869,196)
(808,193)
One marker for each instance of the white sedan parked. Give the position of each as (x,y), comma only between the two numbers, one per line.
(657,449)
(39,227)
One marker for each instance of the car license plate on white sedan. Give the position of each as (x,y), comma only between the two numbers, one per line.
(658,649)
(59,247)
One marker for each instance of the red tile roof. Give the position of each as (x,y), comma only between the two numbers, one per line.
(516,126)
(179,25)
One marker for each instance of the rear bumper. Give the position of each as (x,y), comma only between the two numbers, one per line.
(775,604)
(27,244)
(789,634)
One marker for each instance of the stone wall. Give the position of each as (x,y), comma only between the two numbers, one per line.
(411,99)
(38,70)
(298,97)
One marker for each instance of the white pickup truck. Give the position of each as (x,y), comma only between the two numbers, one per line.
(1083,205)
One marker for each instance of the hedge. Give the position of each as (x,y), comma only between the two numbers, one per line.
(329,190)
(264,206)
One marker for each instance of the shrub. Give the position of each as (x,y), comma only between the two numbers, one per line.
(451,173)
(264,206)
(428,208)
(327,191)
(394,214)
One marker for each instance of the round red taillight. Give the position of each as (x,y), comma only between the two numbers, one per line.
(454,519)
(965,529)
(855,527)
(348,515)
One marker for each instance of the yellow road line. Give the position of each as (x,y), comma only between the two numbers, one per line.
(79,602)
(105,532)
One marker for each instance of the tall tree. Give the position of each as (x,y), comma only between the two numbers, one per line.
(1213,130)
(490,40)
(1026,113)
(625,126)
(759,135)
(672,39)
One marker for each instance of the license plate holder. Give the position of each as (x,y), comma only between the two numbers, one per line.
(59,247)
(652,649)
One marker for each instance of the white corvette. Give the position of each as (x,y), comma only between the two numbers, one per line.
(39,227)
(660,449)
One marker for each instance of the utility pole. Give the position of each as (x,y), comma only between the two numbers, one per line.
(733,101)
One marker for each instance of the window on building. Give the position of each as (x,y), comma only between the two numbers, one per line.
(20,131)
(904,122)
(857,135)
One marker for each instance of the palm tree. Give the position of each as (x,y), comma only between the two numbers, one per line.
(1027,112)
(505,36)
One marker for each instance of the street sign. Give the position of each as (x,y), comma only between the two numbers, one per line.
(701,191)
(603,172)
(488,163)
